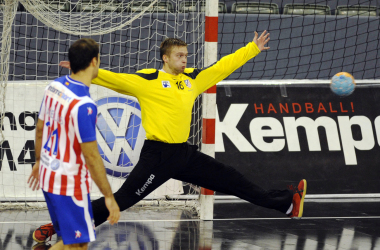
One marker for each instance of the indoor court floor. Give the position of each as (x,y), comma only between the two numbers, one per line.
(325,226)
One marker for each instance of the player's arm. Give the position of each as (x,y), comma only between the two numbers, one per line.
(34,177)
(127,84)
(98,173)
(228,64)
(85,117)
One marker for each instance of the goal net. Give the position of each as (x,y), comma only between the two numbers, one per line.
(36,35)
(311,40)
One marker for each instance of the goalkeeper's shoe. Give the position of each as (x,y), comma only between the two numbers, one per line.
(43,232)
(299,193)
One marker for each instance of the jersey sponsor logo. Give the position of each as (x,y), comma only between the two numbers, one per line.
(166,84)
(45,160)
(51,113)
(147,183)
(120,135)
(188,84)
(59,93)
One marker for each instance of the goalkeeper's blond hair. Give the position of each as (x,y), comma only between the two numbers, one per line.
(167,45)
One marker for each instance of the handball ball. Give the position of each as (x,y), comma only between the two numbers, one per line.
(342,84)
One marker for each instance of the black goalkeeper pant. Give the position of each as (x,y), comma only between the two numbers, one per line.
(161,161)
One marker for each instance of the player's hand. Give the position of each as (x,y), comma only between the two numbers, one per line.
(34,178)
(64,64)
(262,40)
(113,208)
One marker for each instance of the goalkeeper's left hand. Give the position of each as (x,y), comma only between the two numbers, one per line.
(262,40)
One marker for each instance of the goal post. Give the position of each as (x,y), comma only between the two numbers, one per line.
(209,103)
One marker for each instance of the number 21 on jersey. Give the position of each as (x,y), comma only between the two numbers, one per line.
(50,137)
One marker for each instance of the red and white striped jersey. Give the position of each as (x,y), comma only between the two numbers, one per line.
(69,116)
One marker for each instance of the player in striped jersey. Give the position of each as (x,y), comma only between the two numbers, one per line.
(67,156)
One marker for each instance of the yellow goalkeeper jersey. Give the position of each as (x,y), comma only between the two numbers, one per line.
(166,100)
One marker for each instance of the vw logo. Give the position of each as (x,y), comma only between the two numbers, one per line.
(127,235)
(120,134)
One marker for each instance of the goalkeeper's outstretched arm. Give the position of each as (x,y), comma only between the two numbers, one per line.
(210,76)
(126,84)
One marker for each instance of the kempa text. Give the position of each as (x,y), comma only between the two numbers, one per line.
(147,183)
(284,133)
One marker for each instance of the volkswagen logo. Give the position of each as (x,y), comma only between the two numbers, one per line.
(120,134)
(126,235)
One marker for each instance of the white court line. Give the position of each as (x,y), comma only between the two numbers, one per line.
(230,219)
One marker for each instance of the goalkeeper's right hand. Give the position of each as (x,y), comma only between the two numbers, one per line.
(64,64)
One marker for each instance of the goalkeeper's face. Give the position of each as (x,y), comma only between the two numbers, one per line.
(177,59)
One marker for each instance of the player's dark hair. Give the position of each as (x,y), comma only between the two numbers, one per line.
(81,53)
(167,45)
